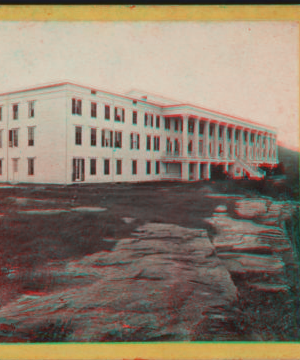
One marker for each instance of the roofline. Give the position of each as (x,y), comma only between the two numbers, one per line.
(67,82)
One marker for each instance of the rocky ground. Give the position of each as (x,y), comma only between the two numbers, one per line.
(228,279)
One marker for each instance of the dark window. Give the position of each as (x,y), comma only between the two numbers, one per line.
(156,143)
(157,167)
(176,147)
(93,110)
(31,136)
(146,119)
(176,125)
(148,167)
(106,167)
(93,137)
(0,113)
(15,111)
(118,139)
(134,141)
(211,129)
(190,146)
(191,126)
(148,142)
(201,127)
(30,166)
(78,135)
(107,138)
(220,131)
(167,124)
(0,167)
(31,109)
(236,134)
(134,167)
(107,112)
(151,120)
(93,168)
(13,138)
(157,122)
(134,117)
(76,106)
(119,167)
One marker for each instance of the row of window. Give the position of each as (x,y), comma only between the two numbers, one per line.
(114,139)
(15,110)
(13,137)
(79,168)
(15,166)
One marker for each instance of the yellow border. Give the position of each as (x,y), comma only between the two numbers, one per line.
(151,350)
(148,12)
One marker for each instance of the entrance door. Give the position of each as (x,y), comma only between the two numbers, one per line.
(191,171)
(78,169)
(15,170)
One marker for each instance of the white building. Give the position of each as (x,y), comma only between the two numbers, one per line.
(63,133)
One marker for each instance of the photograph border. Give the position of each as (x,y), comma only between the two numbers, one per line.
(149,350)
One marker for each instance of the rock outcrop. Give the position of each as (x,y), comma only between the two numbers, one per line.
(163,283)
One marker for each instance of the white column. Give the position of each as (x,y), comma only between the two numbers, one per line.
(267,147)
(196,137)
(248,145)
(254,145)
(216,140)
(184,135)
(241,142)
(197,171)
(206,140)
(185,171)
(232,143)
(260,146)
(207,175)
(225,142)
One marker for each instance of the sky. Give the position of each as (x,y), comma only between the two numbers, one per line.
(246,69)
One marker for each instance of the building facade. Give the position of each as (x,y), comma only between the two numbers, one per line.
(65,133)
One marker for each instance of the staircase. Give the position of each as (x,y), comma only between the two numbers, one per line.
(253,173)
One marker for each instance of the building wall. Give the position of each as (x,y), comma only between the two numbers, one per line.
(49,147)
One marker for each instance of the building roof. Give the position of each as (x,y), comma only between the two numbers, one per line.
(144,97)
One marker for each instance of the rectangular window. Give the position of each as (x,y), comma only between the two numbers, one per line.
(118,139)
(76,107)
(13,138)
(0,113)
(15,163)
(201,127)
(148,142)
(191,126)
(146,119)
(0,166)
(156,143)
(31,136)
(157,167)
(93,137)
(157,122)
(107,112)
(106,166)
(31,109)
(148,167)
(78,135)
(93,165)
(78,169)
(119,167)
(134,117)
(15,111)
(107,138)
(134,167)
(176,147)
(93,110)
(168,146)
(200,147)
(220,132)
(176,125)
(31,166)
(151,120)
(134,141)
(167,124)
(190,147)
(119,114)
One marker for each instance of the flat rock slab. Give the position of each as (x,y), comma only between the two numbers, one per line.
(88,209)
(128,220)
(43,212)
(159,283)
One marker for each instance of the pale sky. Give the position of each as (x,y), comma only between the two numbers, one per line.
(247,69)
